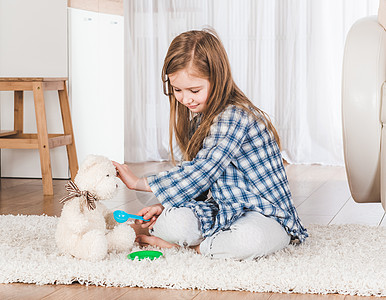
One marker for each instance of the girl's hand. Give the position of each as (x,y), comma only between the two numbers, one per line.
(150,213)
(129,179)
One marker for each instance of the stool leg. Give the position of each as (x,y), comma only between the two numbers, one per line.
(44,149)
(18,111)
(67,127)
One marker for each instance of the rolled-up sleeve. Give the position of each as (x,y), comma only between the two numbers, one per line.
(188,180)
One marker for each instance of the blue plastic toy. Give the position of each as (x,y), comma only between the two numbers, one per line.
(121,216)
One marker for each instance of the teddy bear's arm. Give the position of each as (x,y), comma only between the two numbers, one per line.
(109,218)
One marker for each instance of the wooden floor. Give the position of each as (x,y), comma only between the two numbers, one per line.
(320,193)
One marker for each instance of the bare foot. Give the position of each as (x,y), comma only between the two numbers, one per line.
(149,240)
(139,230)
(196,248)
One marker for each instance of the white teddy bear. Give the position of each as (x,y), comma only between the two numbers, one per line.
(86,228)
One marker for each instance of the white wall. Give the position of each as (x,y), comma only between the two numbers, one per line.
(33,43)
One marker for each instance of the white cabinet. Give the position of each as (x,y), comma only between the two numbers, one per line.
(33,43)
(44,38)
(96,71)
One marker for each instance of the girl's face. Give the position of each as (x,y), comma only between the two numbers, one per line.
(190,90)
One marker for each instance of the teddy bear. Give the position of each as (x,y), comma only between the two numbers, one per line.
(86,228)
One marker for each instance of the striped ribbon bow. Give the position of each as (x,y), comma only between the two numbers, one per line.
(74,191)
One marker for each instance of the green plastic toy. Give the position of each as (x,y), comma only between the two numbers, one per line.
(144,254)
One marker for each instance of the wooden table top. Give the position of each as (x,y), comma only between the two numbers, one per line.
(32,79)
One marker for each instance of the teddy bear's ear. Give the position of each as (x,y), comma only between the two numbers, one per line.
(91,160)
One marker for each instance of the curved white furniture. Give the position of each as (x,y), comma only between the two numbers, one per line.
(364,110)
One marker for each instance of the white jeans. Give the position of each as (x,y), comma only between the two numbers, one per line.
(252,235)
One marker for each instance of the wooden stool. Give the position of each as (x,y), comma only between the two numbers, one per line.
(43,141)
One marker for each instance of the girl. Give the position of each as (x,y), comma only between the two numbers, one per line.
(230,197)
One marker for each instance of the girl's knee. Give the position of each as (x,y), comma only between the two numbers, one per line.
(179,226)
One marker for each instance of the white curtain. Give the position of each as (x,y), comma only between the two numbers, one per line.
(286,55)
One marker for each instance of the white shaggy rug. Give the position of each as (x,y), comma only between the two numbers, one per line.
(347,259)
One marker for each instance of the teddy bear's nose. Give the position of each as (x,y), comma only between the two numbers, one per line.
(116,185)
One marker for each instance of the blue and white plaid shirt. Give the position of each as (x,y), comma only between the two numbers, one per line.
(241,164)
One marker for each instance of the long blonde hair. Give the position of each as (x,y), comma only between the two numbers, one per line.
(203,51)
